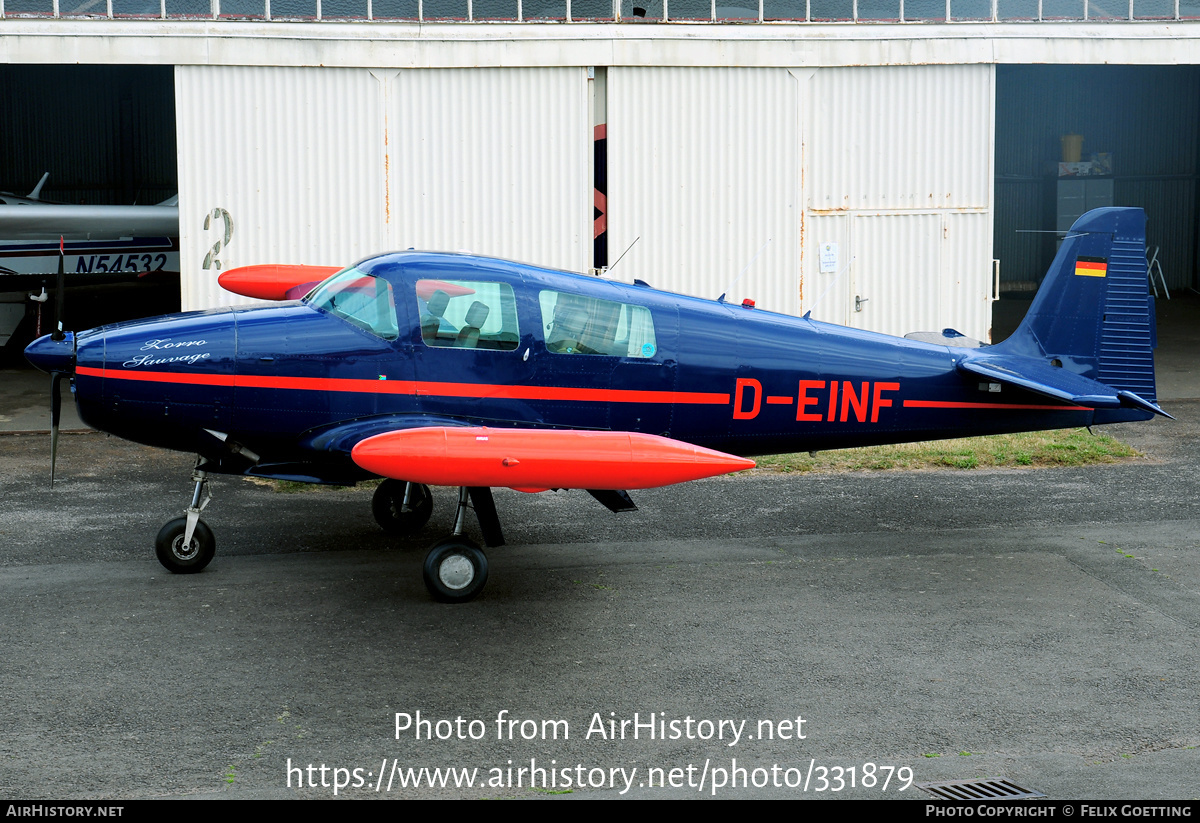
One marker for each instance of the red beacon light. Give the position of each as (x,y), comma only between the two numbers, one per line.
(747,303)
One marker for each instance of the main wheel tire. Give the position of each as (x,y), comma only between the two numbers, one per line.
(388,507)
(455,570)
(180,559)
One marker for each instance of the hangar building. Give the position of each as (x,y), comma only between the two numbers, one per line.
(887,164)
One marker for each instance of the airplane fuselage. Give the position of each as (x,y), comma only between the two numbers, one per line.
(287,376)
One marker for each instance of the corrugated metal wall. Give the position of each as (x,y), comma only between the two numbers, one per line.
(901,137)
(899,164)
(703,166)
(327,166)
(293,157)
(709,167)
(892,163)
(913,271)
(498,161)
(1147,117)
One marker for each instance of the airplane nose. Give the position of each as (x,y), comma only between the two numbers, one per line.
(52,355)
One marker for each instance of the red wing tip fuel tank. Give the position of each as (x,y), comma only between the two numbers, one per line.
(274,282)
(452,369)
(539,459)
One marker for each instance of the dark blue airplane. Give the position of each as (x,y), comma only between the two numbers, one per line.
(457,370)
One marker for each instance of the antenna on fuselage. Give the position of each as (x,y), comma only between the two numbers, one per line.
(622,257)
(746,267)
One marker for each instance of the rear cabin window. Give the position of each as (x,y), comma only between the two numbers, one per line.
(468,314)
(361,299)
(573,324)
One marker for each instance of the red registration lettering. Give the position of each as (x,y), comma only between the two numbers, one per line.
(858,401)
(739,413)
(881,401)
(868,396)
(804,400)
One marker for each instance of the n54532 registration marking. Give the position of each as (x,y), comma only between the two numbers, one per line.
(89,264)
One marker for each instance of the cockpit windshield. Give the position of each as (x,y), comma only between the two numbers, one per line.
(361,299)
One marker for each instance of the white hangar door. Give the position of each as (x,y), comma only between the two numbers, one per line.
(703,167)
(327,166)
(899,194)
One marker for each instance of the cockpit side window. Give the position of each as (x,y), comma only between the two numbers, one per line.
(360,299)
(468,314)
(574,324)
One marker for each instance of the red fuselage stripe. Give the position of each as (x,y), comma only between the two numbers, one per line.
(949,404)
(438,389)
(413,387)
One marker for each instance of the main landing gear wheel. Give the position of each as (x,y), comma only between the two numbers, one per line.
(181,559)
(392,515)
(455,570)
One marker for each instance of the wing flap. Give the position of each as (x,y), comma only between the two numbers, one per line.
(539,458)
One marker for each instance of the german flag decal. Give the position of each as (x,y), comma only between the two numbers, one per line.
(1091,266)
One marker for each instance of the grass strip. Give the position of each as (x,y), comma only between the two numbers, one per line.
(1059,447)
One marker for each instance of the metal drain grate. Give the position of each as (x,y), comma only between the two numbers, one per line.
(991,788)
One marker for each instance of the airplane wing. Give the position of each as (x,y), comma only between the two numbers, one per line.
(1050,381)
(539,459)
(32,222)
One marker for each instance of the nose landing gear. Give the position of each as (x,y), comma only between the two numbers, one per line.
(183,555)
(186,544)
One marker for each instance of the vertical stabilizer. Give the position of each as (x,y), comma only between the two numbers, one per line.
(1093,313)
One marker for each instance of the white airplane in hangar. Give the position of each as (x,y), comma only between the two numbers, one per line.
(100,245)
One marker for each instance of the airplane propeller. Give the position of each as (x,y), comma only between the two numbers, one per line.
(55,355)
(60,288)
(56,375)
(56,358)
(55,417)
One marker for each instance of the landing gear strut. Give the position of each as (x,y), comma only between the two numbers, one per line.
(186,544)
(401,507)
(456,569)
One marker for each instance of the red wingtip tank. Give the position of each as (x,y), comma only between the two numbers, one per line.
(274,281)
(539,459)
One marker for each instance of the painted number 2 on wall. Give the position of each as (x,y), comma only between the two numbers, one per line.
(210,220)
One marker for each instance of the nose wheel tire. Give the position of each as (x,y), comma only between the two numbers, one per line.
(181,559)
(393,516)
(455,570)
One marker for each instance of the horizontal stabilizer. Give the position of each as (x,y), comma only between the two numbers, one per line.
(539,458)
(274,282)
(1054,382)
(1128,398)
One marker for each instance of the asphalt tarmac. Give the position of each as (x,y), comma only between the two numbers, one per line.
(1038,624)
